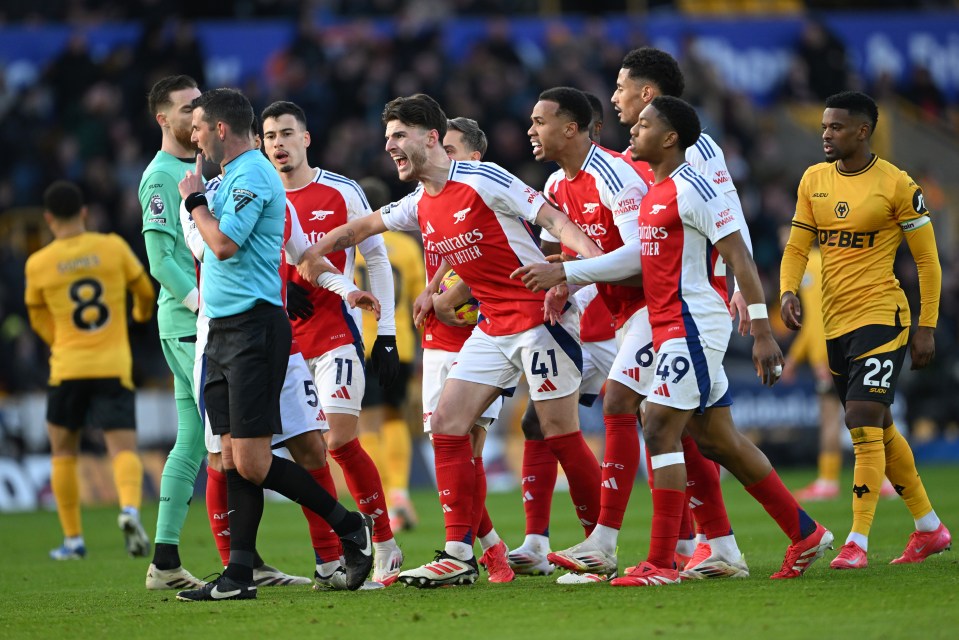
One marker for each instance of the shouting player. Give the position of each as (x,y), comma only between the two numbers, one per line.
(472,213)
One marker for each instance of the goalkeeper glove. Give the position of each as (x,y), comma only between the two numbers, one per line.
(298,305)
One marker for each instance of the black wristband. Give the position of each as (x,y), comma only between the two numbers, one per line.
(195,200)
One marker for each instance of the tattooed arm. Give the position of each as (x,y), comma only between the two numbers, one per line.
(350,234)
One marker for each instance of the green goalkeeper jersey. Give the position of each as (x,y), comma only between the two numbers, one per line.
(171,262)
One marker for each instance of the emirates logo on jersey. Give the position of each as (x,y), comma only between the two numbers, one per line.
(457,249)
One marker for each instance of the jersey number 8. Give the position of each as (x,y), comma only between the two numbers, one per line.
(90,313)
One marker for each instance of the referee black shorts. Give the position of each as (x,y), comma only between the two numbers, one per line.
(103,403)
(246,358)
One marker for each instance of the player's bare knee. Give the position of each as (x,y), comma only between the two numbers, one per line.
(215,461)
(308,450)
(620,400)
(530,424)
(864,414)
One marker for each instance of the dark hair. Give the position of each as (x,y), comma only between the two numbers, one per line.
(596,105)
(680,117)
(228,106)
(418,110)
(473,136)
(855,102)
(255,126)
(572,103)
(159,95)
(658,67)
(284,108)
(63,199)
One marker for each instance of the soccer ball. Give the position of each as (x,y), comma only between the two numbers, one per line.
(469,310)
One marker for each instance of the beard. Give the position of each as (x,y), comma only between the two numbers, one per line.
(183,136)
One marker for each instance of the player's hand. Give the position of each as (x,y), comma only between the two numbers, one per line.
(298,304)
(365,301)
(767,357)
(737,304)
(789,370)
(192,182)
(422,307)
(312,266)
(560,257)
(446,312)
(385,360)
(922,347)
(554,303)
(791,311)
(540,276)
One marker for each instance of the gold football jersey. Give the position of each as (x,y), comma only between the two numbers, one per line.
(76,292)
(859,219)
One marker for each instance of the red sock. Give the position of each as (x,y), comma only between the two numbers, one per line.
(582,472)
(782,506)
(649,468)
(326,544)
(481,521)
(539,481)
(703,491)
(664,532)
(620,463)
(218,512)
(363,481)
(456,485)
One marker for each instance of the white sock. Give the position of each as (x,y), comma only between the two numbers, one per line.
(133,511)
(73,542)
(537,543)
(326,569)
(384,547)
(859,539)
(459,550)
(700,538)
(491,539)
(929,522)
(726,548)
(605,538)
(686,547)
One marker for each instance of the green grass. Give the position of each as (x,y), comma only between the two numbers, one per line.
(103,596)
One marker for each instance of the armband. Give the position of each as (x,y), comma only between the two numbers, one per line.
(757,311)
(195,200)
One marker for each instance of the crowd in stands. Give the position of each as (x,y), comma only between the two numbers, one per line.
(85,120)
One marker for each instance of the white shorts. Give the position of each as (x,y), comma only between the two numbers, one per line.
(300,409)
(340,379)
(598,358)
(689,375)
(436,368)
(550,356)
(633,366)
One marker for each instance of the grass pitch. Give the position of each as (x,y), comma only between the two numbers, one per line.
(103,596)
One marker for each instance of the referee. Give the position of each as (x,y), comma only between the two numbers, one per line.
(249,342)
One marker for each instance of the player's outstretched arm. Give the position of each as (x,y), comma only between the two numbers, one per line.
(922,245)
(767,357)
(566,231)
(346,235)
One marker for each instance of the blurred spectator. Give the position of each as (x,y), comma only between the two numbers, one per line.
(825,58)
(923,92)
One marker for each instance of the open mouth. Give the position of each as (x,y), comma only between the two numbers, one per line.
(827,148)
(281,157)
(401,162)
(536,145)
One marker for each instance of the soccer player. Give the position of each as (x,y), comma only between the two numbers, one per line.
(249,342)
(443,338)
(472,214)
(860,207)
(645,74)
(596,123)
(172,266)
(810,347)
(600,192)
(76,291)
(331,339)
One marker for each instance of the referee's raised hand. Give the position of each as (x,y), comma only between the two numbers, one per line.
(192,182)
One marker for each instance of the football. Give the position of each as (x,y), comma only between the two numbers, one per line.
(469,310)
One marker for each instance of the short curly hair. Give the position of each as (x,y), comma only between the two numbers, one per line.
(855,102)
(658,67)
(681,118)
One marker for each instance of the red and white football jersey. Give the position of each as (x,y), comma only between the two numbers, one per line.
(603,199)
(327,202)
(705,156)
(680,221)
(477,224)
